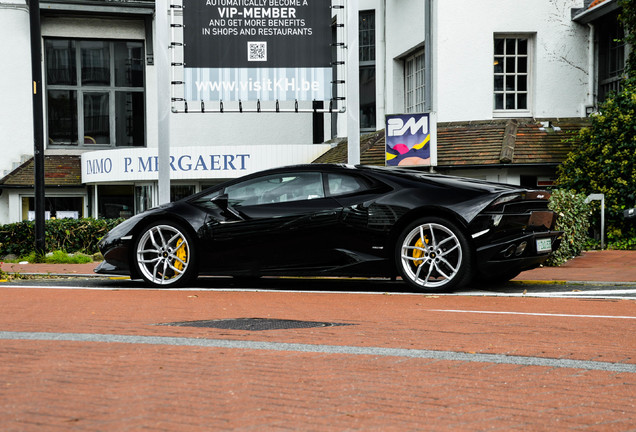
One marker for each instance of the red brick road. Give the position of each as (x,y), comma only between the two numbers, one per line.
(105,386)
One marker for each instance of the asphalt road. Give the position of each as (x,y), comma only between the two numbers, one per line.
(313,354)
(610,290)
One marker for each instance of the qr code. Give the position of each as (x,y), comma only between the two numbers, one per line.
(257,51)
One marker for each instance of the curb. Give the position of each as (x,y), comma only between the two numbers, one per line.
(87,275)
(512,282)
(566,282)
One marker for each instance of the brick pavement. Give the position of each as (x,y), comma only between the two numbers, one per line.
(601,266)
(98,386)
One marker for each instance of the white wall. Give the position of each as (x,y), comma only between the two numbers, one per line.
(463,70)
(464,67)
(463,54)
(16,124)
(405,30)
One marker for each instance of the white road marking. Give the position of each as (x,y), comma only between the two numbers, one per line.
(613,294)
(531,314)
(322,349)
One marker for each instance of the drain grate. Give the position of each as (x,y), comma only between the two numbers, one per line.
(254,324)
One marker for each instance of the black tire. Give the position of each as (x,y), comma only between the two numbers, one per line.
(432,254)
(164,255)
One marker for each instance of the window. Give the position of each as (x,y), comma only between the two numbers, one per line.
(611,55)
(367,69)
(341,184)
(143,198)
(59,207)
(276,188)
(414,83)
(178,192)
(115,201)
(511,74)
(95,93)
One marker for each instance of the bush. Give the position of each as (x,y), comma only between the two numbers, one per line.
(574,221)
(69,235)
(58,257)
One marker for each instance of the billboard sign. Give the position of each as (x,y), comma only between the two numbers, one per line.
(257,49)
(408,139)
(194,163)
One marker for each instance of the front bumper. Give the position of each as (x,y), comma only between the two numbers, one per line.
(116,258)
(107,268)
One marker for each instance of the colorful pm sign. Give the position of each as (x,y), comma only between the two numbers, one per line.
(408,139)
(257,50)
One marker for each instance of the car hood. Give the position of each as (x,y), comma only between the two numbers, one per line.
(126,227)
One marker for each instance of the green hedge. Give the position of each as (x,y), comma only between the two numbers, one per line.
(574,221)
(69,235)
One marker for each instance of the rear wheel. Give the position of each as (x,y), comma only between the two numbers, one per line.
(432,254)
(164,255)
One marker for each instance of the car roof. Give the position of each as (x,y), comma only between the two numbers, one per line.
(391,174)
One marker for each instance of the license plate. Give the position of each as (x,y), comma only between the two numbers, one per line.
(544,245)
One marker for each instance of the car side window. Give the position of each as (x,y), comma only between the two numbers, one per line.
(343,184)
(277,188)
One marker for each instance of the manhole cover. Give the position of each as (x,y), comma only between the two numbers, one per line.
(254,324)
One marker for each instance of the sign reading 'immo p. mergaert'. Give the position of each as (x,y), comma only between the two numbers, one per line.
(257,49)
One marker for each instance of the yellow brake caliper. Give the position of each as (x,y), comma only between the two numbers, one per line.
(181,254)
(417,253)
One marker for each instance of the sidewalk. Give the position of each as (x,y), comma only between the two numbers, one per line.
(592,266)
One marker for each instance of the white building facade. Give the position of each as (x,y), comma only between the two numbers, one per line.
(483,61)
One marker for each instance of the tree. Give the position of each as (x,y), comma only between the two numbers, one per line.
(603,158)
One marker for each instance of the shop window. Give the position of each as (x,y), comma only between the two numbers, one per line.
(115,201)
(54,207)
(512,74)
(95,93)
(367,70)
(143,198)
(178,192)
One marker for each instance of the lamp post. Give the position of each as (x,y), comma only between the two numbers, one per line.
(353,84)
(38,122)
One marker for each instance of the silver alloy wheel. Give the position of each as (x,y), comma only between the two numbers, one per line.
(431,255)
(163,254)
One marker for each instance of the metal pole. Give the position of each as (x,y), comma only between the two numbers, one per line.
(353,84)
(38,125)
(429,103)
(599,197)
(162,65)
(603,222)
(428,52)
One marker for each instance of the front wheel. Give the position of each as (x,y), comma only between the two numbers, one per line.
(432,254)
(164,255)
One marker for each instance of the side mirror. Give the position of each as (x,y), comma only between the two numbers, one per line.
(223,202)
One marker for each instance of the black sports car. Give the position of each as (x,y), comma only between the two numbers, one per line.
(436,232)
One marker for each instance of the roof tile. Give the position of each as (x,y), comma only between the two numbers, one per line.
(479,143)
(59,170)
